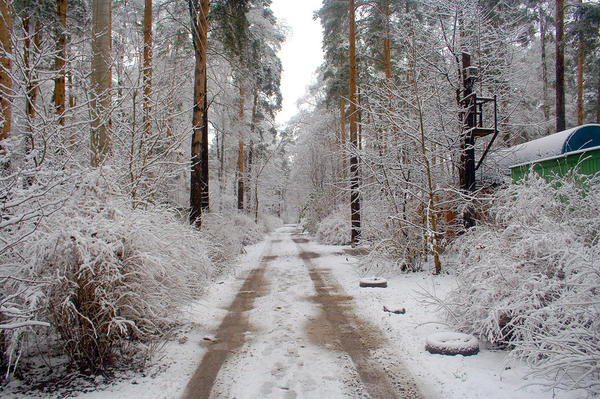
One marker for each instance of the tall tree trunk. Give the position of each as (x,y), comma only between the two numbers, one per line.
(205,171)
(580,61)
(387,58)
(147,68)
(60,61)
(543,35)
(248,195)
(598,101)
(560,66)
(343,135)
(32,83)
(101,81)
(431,216)
(70,83)
(5,62)
(222,168)
(240,193)
(343,124)
(354,167)
(198,184)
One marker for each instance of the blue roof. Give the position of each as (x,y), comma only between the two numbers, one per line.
(585,136)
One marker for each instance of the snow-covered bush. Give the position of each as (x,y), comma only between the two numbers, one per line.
(228,234)
(335,228)
(102,275)
(226,243)
(318,205)
(529,279)
(250,232)
(394,246)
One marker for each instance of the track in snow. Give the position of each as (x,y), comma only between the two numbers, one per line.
(291,332)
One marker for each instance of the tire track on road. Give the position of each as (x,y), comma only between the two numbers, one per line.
(230,334)
(357,338)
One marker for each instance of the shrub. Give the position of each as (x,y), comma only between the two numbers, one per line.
(335,228)
(528,280)
(319,204)
(250,232)
(105,275)
(228,234)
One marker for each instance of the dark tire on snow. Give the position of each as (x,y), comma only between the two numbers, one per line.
(452,343)
(374,282)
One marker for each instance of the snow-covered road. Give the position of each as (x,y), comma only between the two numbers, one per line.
(292,322)
(291,332)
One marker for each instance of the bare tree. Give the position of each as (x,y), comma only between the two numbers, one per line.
(147,67)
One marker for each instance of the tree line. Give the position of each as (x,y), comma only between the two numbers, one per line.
(115,115)
(400,79)
(119,66)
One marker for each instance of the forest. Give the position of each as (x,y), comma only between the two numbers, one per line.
(139,155)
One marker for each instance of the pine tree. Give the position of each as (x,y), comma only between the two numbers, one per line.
(101,81)
(560,66)
(60,61)
(5,67)
(354,166)
(199,176)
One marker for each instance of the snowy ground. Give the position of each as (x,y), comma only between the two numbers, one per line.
(291,350)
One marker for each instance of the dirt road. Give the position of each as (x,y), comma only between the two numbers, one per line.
(291,332)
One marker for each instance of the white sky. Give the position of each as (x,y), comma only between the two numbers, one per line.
(301,53)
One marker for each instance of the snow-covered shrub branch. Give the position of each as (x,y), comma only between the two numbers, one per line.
(102,275)
(528,279)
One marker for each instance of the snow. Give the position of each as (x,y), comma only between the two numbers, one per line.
(281,357)
(488,374)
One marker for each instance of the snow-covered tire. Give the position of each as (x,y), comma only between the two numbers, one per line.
(373,282)
(452,343)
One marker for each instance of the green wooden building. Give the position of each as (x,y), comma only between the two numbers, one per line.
(555,155)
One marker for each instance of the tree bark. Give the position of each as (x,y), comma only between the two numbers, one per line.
(32,82)
(240,194)
(101,81)
(354,167)
(60,61)
(560,67)
(5,62)
(147,68)
(545,104)
(580,61)
(598,101)
(205,171)
(250,171)
(387,58)
(343,135)
(198,180)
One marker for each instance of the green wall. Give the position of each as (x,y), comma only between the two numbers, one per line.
(587,163)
